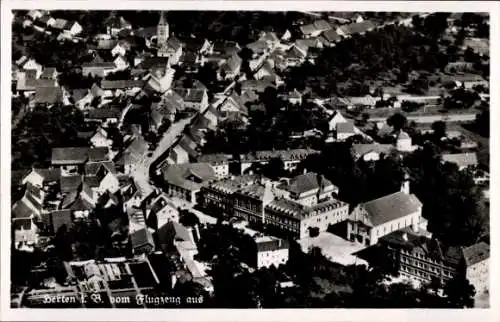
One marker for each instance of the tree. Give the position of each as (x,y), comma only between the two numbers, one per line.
(439,129)
(274,169)
(398,121)
(459,292)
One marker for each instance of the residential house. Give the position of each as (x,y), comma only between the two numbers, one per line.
(25,233)
(104,116)
(404,142)
(121,63)
(377,218)
(160,211)
(30,205)
(185,180)
(315,29)
(142,241)
(219,162)
(355,28)
(42,178)
(193,98)
(113,88)
(49,73)
(30,64)
(172,49)
(72,159)
(370,151)
(344,130)
(462,160)
(271,251)
(233,106)
(121,48)
(47,96)
(72,28)
(160,80)
(231,68)
(98,67)
(291,158)
(134,153)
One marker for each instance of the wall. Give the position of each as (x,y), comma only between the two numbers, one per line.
(478,275)
(274,257)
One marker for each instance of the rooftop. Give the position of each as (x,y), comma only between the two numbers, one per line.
(476,253)
(461,159)
(390,207)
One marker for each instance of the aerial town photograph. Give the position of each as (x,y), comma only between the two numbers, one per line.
(249,159)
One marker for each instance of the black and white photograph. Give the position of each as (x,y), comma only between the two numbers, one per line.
(248,159)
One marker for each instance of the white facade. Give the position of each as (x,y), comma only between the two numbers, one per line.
(221,170)
(272,257)
(478,275)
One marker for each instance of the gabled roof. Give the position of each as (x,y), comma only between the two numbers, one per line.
(390,207)
(322,25)
(71,155)
(59,23)
(48,72)
(70,183)
(48,175)
(98,154)
(190,176)
(48,95)
(356,28)
(121,84)
(92,168)
(307,182)
(141,237)
(60,218)
(345,127)
(331,35)
(361,149)
(103,113)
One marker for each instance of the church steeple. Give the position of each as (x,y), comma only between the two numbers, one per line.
(162,30)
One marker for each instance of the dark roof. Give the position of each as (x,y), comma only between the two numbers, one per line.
(141,237)
(331,35)
(173,231)
(146,32)
(48,72)
(356,28)
(21,210)
(49,175)
(150,62)
(48,95)
(79,93)
(121,84)
(92,168)
(72,155)
(476,253)
(174,43)
(60,218)
(70,183)
(190,176)
(390,207)
(272,244)
(81,204)
(307,182)
(104,113)
(345,127)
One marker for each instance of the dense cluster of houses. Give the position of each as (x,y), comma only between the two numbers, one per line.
(100,175)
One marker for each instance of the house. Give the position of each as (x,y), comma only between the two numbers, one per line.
(315,29)
(291,158)
(72,28)
(377,218)
(403,142)
(231,68)
(271,251)
(219,162)
(370,151)
(72,159)
(47,96)
(105,116)
(98,67)
(355,28)
(193,98)
(172,49)
(121,63)
(35,14)
(159,80)
(344,130)
(233,105)
(477,262)
(142,241)
(116,87)
(307,189)
(357,18)
(30,64)
(25,233)
(462,160)
(160,211)
(49,73)
(135,151)
(185,180)
(30,205)
(165,109)
(121,48)
(42,177)
(100,138)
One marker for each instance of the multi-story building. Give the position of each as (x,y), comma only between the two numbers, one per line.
(271,251)
(293,207)
(185,180)
(219,162)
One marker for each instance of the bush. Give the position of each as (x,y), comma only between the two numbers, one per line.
(313,232)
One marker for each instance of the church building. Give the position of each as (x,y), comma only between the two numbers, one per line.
(168,46)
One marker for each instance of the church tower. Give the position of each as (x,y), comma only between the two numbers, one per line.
(162,31)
